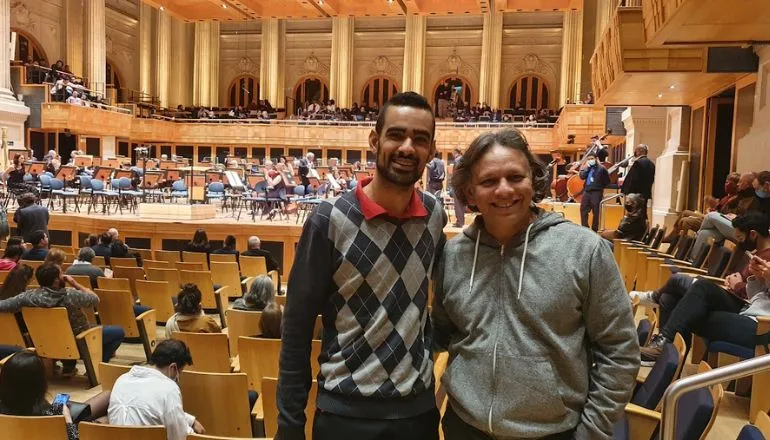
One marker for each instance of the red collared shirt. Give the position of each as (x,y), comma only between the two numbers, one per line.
(371,209)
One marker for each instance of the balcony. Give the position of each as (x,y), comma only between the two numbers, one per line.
(91,121)
(625,71)
(583,121)
(705,22)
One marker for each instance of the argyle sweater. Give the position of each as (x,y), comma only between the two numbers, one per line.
(369,280)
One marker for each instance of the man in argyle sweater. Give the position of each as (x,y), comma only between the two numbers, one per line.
(363,262)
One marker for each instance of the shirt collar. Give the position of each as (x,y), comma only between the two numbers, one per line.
(371,209)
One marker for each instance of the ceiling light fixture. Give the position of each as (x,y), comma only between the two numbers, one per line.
(390,2)
(320,2)
(224,6)
(672,86)
(162,8)
(660,95)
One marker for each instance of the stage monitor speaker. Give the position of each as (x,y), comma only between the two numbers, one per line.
(614,121)
(731,60)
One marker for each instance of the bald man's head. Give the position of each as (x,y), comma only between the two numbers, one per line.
(254,242)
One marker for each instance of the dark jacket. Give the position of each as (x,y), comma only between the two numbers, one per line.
(601,178)
(269,260)
(191,247)
(102,250)
(35,254)
(225,251)
(640,178)
(30,219)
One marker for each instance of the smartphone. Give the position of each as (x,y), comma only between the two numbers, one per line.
(62,399)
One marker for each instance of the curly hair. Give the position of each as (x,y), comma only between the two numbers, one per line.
(509,138)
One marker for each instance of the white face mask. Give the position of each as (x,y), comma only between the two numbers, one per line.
(592,162)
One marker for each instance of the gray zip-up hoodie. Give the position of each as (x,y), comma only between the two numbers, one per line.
(540,332)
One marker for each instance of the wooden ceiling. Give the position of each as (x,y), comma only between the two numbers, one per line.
(239,10)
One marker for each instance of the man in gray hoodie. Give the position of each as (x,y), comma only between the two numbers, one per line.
(531,308)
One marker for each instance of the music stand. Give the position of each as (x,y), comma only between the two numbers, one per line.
(66,172)
(103,174)
(120,173)
(214,176)
(83,161)
(173,175)
(36,168)
(152,178)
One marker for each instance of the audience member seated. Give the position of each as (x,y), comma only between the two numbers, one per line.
(23,389)
(16,184)
(83,266)
(271,322)
(55,256)
(717,315)
(104,248)
(254,250)
(30,217)
(719,226)
(39,251)
(199,243)
(150,396)
(11,257)
(189,315)
(259,295)
(752,233)
(53,292)
(228,247)
(737,188)
(91,241)
(16,282)
(633,224)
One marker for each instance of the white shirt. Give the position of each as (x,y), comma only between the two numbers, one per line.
(146,397)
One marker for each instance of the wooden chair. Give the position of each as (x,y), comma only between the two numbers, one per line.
(258,358)
(98,431)
(145,254)
(113,283)
(219,401)
(226,274)
(169,256)
(216,437)
(99,261)
(131,274)
(4,275)
(195,257)
(241,323)
(209,351)
(222,258)
(53,338)
(270,409)
(34,264)
(123,262)
(170,275)
(116,307)
(159,296)
(210,299)
(69,258)
(10,333)
(190,265)
(83,280)
(759,430)
(253,266)
(156,264)
(109,374)
(33,428)
(65,249)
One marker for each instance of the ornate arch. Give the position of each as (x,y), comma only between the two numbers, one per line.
(310,87)
(379,89)
(467,88)
(37,48)
(532,64)
(243,89)
(530,90)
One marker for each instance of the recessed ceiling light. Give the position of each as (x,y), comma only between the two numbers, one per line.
(672,86)
(321,2)
(390,2)
(660,95)
(224,6)
(162,8)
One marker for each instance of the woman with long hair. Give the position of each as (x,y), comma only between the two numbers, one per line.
(199,242)
(189,315)
(16,282)
(55,256)
(260,294)
(270,324)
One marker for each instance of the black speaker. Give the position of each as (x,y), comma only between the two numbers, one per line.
(731,60)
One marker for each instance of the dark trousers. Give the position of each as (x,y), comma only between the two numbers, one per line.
(112,337)
(327,426)
(728,327)
(591,201)
(459,213)
(671,293)
(455,428)
(692,313)
(139,309)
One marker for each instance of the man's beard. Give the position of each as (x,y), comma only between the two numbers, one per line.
(405,179)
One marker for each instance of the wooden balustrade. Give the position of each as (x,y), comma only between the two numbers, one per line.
(583,121)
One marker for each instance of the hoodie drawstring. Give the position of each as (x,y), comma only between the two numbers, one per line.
(523,259)
(475,256)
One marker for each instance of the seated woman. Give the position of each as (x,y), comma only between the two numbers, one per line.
(199,243)
(260,294)
(270,324)
(633,224)
(14,284)
(23,389)
(55,256)
(276,185)
(189,315)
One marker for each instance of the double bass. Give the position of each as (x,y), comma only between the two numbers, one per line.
(558,182)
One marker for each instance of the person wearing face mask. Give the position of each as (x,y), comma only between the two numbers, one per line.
(529,346)
(633,224)
(597,178)
(691,220)
(150,395)
(703,297)
(719,225)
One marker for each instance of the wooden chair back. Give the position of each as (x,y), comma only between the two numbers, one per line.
(123,262)
(33,428)
(170,275)
(190,265)
(195,257)
(4,275)
(269,393)
(156,264)
(116,307)
(763,424)
(222,258)
(99,261)
(99,431)
(169,256)
(110,373)
(145,254)
(83,280)
(65,249)
(241,323)
(209,351)
(280,300)
(217,437)
(259,358)
(10,334)
(219,401)
(157,295)
(253,266)
(34,264)
(113,283)
(227,274)
(202,279)
(131,274)
(51,332)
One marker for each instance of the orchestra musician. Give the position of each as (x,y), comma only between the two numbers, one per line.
(596,179)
